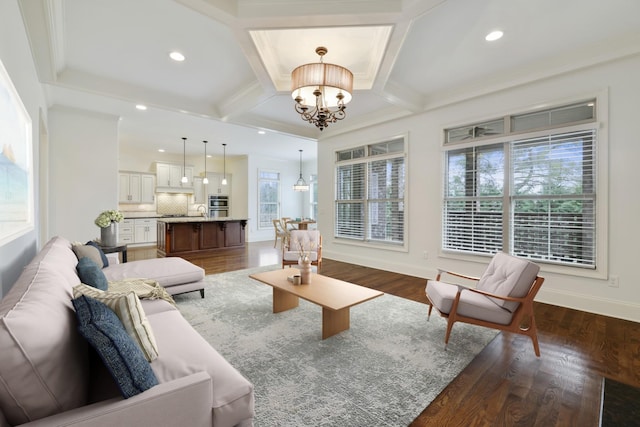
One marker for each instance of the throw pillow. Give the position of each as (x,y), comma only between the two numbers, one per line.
(100,326)
(129,310)
(105,260)
(88,251)
(91,274)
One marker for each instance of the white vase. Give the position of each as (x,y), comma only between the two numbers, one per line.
(305,271)
(109,235)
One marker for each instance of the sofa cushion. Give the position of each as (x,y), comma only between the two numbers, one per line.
(129,310)
(183,351)
(43,362)
(123,358)
(91,274)
(103,256)
(166,271)
(88,251)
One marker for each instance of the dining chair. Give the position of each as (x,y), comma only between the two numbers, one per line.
(286,226)
(281,233)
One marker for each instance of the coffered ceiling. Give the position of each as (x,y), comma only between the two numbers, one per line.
(407,56)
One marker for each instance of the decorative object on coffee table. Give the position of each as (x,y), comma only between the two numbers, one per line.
(107,222)
(305,270)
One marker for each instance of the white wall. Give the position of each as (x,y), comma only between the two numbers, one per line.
(83,171)
(15,55)
(425,157)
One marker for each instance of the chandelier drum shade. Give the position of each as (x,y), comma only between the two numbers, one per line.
(321,91)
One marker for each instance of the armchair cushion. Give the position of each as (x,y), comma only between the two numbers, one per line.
(471,304)
(302,240)
(507,275)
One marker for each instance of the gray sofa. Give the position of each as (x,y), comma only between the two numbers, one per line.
(49,376)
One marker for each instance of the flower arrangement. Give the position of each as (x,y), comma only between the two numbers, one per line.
(304,253)
(105,219)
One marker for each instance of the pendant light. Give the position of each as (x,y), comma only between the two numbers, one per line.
(300,184)
(224,163)
(205,180)
(184,161)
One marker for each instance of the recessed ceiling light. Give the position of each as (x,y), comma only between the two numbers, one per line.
(176,56)
(161,150)
(261,132)
(141,107)
(494,35)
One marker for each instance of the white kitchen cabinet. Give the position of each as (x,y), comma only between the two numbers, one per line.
(199,191)
(147,188)
(125,232)
(169,175)
(215,184)
(136,187)
(144,230)
(129,187)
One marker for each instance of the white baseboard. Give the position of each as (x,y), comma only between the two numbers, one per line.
(603,306)
(416,270)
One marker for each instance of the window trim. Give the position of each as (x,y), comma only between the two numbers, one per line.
(601,150)
(367,243)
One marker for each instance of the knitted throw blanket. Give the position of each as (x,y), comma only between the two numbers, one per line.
(144,288)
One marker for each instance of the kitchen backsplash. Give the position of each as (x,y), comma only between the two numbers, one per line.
(173,203)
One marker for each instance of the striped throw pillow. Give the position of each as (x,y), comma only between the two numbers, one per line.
(130,312)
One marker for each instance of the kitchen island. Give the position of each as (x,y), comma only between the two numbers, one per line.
(190,235)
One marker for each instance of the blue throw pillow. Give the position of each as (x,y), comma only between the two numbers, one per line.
(91,274)
(105,260)
(100,326)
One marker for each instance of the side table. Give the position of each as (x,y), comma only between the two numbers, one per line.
(114,249)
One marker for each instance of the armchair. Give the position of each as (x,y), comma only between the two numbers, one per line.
(502,299)
(308,240)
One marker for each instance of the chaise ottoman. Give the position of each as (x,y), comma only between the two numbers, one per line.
(174,274)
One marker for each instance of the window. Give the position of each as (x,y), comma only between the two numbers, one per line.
(532,195)
(370,184)
(268,198)
(313,197)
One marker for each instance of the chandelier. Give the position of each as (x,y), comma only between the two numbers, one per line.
(321,91)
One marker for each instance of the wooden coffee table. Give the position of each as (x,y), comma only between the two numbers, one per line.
(333,295)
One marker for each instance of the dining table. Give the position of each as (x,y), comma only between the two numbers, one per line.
(301,224)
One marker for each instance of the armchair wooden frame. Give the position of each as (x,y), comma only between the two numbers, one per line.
(317,262)
(523,321)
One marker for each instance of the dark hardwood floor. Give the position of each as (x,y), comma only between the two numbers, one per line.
(506,384)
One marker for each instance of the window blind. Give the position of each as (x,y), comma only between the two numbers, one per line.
(553,203)
(370,193)
(538,202)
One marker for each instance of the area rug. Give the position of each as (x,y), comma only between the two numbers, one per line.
(383,371)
